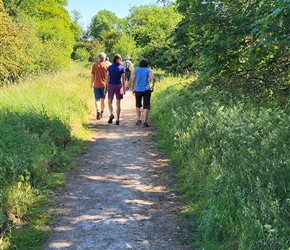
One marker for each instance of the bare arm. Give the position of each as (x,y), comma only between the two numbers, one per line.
(123,82)
(153,79)
(133,83)
(108,78)
(92,80)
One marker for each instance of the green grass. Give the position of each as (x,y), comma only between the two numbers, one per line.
(231,155)
(232,158)
(42,128)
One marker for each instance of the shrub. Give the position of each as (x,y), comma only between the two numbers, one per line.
(81,54)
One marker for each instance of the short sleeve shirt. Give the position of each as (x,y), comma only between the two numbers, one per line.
(142,79)
(99,70)
(116,72)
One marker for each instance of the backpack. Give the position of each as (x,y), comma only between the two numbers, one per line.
(127,68)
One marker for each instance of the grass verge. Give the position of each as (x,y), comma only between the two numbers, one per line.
(232,158)
(42,128)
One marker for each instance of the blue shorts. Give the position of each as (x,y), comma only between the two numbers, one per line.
(99,93)
(146,95)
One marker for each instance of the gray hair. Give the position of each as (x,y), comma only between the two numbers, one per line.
(102,56)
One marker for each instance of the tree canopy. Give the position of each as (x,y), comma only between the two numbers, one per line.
(236,45)
(38,36)
(244,44)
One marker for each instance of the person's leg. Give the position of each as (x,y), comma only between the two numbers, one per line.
(102,100)
(110,102)
(145,114)
(138,112)
(98,105)
(110,106)
(118,104)
(98,109)
(138,104)
(119,96)
(98,95)
(146,107)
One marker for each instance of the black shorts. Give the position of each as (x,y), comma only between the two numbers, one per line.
(127,75)
(146,96)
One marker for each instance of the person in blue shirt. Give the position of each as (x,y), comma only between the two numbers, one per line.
(116,86)
(141,89)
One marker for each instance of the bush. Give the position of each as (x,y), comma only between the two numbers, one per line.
(81,54)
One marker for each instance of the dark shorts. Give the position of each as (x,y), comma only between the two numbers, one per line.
(99,93)
(116,89)
(146,96)
(127,75)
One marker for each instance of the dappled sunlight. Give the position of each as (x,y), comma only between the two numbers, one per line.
(60,245)
(142,202)
(111,200)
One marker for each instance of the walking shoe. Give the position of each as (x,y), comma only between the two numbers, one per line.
(99,115)
(138,122)
(117,123)
(145,124)
(111,118)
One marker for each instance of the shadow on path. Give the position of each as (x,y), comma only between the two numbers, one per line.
(117,198)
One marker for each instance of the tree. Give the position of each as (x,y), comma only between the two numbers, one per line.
(43,36)
(109,39)
(236,43)
(10,47)
(151,27)
(126,46)
(105,20)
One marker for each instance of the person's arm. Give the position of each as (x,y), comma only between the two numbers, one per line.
(153,79)
(133,83)
(124,82)
(108,79)
(92,80)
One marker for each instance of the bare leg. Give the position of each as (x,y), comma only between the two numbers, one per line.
(138,112)
(118,104)
(145,113)
(102,105)
(110,106)
(98,105)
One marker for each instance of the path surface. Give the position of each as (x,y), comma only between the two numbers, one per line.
(118,198)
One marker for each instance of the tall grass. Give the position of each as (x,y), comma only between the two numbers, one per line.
(42,129)
(233,163)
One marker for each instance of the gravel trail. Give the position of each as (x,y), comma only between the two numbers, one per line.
(118,197)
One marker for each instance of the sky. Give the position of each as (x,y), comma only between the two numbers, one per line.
(89,8)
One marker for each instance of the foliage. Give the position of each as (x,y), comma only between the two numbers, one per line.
(232,158)
(41,129)
(244,44)
(81,54)
(126,46)
(93,47)
(37,36)
(110,38)
(13,48)
(105,20)
(151,26)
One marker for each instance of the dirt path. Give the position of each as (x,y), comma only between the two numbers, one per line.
(118,197)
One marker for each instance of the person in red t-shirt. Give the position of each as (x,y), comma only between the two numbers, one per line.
(98,83)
